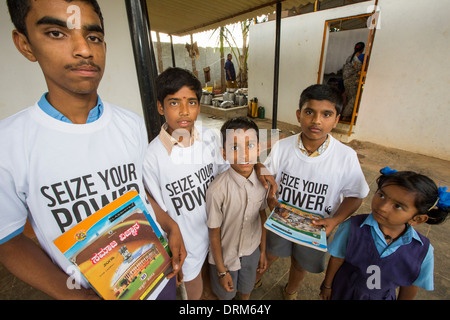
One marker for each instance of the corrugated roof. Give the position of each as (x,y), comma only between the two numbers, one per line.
(181,17)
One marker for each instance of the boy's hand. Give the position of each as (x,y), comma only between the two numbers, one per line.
(328,223)
(272,202)
(226,282)
(266,178)
(262,266)
(179,277)
(347,207)
(179,253)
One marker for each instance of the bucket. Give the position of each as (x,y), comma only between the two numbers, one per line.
(261,112)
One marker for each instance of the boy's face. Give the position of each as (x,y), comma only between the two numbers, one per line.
(241,150)
(317,119)
(71,56)
(180,109)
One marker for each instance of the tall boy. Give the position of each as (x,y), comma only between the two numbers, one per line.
(179,166)
(61,158)
(235,205)
(317,173)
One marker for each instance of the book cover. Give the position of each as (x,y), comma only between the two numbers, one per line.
(119,250)
(296,225)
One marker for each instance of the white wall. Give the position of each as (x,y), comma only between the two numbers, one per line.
(406,100)
(301,46)
(22,82)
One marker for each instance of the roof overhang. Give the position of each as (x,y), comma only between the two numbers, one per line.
(182,17)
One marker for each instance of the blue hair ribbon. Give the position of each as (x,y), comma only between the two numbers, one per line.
(444,198)
(387,171)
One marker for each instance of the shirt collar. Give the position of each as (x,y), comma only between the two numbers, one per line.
(240,180)
(316,153)
(169,142)
(406,237)
(94,114)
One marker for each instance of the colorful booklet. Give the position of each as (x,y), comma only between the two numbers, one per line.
(296,225)
(119,250)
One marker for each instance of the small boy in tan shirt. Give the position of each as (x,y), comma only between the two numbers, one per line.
(235,205)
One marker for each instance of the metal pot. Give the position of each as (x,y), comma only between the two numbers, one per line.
(241,100)
(227,96)
(206,98)
(226,104)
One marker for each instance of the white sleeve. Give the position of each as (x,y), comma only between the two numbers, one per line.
(355,184)
(13,210)
(151,177)
(144,139)
(272,162)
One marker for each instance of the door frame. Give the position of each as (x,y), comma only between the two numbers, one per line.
(365,65)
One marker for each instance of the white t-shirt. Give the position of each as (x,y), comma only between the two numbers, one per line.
(178,182)
(56,173)
(316,184)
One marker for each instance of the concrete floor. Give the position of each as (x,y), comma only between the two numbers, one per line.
(373,158)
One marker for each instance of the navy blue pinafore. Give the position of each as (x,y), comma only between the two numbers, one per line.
(362,260)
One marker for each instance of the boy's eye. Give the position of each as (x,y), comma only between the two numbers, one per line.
(95,39)
(55,34)
(251,145)
(234,148)
(193,102)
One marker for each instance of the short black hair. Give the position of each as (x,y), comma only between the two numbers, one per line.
(425,189)
(322,92)
(173,79)
(238,123)
(18,11)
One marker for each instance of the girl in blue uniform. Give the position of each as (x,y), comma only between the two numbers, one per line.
(373,255)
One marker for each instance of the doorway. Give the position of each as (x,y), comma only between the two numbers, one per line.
(340,66)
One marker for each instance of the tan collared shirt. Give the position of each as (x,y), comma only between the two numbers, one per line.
(233,204)
(169,141)
(319,150)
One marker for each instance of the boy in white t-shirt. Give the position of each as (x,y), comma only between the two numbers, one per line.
(317,173)
(70,154)
(179,166)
